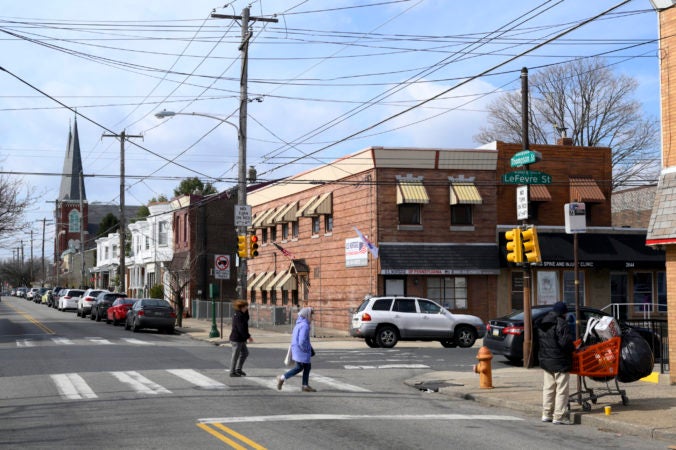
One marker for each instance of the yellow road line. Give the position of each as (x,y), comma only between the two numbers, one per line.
(35,322)
(232,433)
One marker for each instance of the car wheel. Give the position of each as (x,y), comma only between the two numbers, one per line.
(93,317)
(127,326)
(387,337)
(448,343)
(371,342)
(465,337)
(77,313)
(108,321)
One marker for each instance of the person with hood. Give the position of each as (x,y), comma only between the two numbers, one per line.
(556,359)
(239,337)
(301,351)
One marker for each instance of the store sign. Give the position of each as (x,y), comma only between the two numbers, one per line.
(356,253)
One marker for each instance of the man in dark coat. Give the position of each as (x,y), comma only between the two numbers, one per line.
(239,337)
(555,355)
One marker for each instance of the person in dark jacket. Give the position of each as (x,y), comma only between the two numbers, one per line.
(556,359)
(239,336)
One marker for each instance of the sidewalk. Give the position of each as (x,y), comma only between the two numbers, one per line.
(650,412)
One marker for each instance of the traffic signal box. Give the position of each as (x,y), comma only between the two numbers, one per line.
(514,246)
(242,246)
(253,246)
(530,245)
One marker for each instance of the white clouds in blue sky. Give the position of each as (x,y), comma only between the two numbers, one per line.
(325,71)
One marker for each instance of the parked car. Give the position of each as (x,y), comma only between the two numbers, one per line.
(117,313)
(151,313)
(31,293)
(84,304)
(69,299)
(37,295)
(383,321)
(45,296)
(21,291)
(504,335)
(53,297)
(103,301)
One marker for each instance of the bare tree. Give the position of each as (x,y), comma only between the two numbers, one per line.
(13,204)
(594,105)
(179,276)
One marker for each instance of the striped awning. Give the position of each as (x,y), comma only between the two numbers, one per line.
(411,191)
(585,189)
(539,193)
(261,281)
(283,281)
(322,205)
(286,214)
(306,205)
(257,222)
(465,194)
(267,220)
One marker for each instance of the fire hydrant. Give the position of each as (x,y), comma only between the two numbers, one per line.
(484,368)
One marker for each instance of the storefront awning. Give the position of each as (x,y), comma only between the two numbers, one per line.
(283,281)
(586,190)
(539,193)
(286,214)
(465,194)
(261,219)
(438,259)
(306,205)
(261,281)
(322,205)
(411,191)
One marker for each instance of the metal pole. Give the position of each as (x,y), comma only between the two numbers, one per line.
(576,272)
(241,173)
(82,241)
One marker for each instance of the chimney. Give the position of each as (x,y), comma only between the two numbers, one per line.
(565,141)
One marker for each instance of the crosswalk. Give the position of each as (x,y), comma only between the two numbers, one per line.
(75,386)
(28,342)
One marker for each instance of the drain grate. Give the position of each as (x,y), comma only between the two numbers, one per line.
(433,386)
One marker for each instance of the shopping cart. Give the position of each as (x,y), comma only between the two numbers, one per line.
(600,362)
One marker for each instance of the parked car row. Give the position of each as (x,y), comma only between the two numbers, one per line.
(112,307)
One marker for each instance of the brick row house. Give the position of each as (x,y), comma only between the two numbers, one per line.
(438,218)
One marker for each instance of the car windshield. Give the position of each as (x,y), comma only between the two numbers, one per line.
(157,302)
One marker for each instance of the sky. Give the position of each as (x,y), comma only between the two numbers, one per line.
(328,79)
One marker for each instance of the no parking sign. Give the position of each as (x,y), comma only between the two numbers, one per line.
(222,267)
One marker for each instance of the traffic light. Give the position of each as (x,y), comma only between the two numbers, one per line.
(530,245)
(253,246)
(242,247)
(514,247)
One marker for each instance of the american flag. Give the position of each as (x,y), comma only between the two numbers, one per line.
(372,248)
(285,252)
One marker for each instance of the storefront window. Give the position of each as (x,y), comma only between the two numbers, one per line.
(450,292)
(569,288)
(461,214)
(643,292)
(409,214)
(662,292)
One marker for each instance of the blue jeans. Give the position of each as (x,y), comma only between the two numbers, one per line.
(305,367)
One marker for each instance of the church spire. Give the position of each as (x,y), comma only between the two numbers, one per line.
(72,166)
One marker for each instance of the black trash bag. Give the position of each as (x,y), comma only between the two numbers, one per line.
(636,358)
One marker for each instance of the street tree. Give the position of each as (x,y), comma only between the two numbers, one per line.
(109,224)
(14,199)
(178,277)
(593,105)
(194,185)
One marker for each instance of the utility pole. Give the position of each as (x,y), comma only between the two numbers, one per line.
(82,234)
(243,101)
(44,269)
(122,137)
(30,263)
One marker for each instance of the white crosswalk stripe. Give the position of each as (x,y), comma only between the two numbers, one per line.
(341,386)
(99,341)
(388,366)
(197,379)
(62,341)
(140,383)
(137,341)
(72,386)
(25,343)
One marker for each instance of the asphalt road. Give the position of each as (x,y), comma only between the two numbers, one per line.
(68,382)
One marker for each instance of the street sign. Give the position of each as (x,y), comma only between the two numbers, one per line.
(526,177)
(525,157)
(222,267)
(242,215)
(522,202)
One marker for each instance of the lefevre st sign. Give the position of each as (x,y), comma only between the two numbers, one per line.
(526,177)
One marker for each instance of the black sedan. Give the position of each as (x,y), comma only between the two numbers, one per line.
(151,313)
(104,301)
(504,335)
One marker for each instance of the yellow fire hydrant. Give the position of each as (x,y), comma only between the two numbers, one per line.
(484,368)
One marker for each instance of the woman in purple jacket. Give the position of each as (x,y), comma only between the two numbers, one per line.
(301,350)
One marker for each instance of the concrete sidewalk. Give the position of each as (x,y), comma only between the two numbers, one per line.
(649,413)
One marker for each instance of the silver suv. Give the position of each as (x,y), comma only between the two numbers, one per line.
(384,321)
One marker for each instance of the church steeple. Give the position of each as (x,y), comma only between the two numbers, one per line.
(72,166)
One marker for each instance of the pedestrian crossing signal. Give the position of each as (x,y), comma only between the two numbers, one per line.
(253,246)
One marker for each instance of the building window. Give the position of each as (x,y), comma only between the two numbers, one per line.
(107,253)
(451,292)
(185,229)
(252,296)
(461,214)
(662,292)
(285,231)
(147,239)
(264,235)
(285,297)
(643,292)
(410,214)
(74,221)
(162,234)
(569,288)
(273,297)
(264,297)
(315,225)
(328,223)
(295,229)
(114,251)
(273,234)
